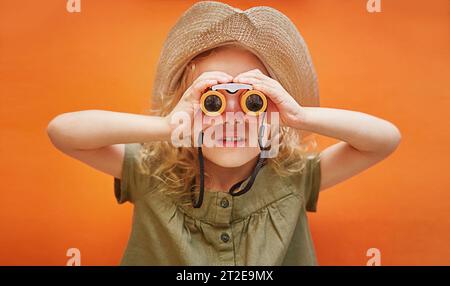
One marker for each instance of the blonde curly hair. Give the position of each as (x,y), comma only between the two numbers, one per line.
(175,169)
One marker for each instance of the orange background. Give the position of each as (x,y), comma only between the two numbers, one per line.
(393,64)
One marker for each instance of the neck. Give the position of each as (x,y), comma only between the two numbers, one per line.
(223,178)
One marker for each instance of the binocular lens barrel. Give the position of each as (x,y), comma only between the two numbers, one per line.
(213,103)
(252,102)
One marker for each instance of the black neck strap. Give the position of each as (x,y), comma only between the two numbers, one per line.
(261,161)
(198,203)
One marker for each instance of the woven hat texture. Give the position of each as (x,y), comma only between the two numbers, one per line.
(264,31)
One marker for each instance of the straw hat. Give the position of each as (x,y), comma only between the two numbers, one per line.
(265,31)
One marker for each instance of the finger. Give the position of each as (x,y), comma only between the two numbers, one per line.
(201,84)
(252,73)
(206,80)
(247,79)
(263,84)
(243,78)
(199,87)
(266,87)
(255,82)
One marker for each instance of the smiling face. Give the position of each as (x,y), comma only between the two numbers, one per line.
(232,60)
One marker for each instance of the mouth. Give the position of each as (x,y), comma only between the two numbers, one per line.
(231,141)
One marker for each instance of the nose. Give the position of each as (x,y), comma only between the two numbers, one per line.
(233,101)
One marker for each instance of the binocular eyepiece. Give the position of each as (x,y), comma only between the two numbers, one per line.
(213,103)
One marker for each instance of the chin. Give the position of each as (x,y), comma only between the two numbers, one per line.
(230,157)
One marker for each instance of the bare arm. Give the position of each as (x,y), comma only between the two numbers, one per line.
(366,140)
(97,137)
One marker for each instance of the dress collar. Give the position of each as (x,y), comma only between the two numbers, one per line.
(267,188)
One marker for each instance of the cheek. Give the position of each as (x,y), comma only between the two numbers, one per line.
(272,112)
(271,107)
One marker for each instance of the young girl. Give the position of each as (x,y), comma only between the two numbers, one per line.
(240,208)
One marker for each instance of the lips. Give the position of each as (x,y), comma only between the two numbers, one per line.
(231,139)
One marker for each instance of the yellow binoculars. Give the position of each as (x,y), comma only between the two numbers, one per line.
(213,103)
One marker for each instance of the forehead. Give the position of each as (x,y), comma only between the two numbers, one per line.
(229,59)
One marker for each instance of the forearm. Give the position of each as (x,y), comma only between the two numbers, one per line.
(92,129)
(362,131)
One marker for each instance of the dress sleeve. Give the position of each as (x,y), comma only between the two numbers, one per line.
(311,178)
(133,182)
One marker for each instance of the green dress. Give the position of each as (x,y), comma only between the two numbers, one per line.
(266,226)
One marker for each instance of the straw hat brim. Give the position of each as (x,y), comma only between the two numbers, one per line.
(264,31)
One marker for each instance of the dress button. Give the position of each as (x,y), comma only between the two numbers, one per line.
(224,203)
(225,237)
